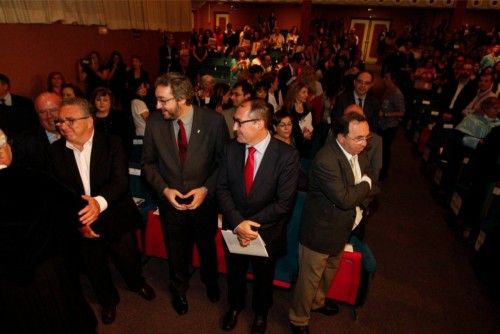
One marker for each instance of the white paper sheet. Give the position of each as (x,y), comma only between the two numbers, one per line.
(255,248)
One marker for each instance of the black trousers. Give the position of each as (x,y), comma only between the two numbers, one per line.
(181,231)
(388,136)
(263,271)
(126,258)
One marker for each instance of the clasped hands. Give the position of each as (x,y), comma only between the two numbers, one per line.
(88,215)
(198,195)
(246,232)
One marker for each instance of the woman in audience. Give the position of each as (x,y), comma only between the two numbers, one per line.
(199,54)
(292,38)
(69,91)
(117,77)
(239,63)
(274,96)
(296,105)
(55,81)
(136,76)
(282,126)
(109,120)
(92,72)
(221,98)
(139,109)
(204,91)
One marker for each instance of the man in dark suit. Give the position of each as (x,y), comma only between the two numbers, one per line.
(338,191)
(256,192)
(169,56)
(459,91)
(183,146)
(32,148)
(360,96)
(94,165)
(288,73)
(16,112)
(39,288)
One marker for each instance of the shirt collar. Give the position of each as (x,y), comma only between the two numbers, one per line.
(187,119)
(262,145)
(7,99)
(356,97)
(347,154)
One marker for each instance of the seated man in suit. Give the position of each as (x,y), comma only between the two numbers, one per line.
(31,148)
(256,198)
(16,112)
(360,96)
(40,291)
(338,188)
(94,165)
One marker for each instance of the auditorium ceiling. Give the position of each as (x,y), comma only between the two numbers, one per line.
(471,4)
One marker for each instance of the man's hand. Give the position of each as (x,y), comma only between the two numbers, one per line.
(170,195)
(5,155)
(89,213)
(199,195)
(245,233)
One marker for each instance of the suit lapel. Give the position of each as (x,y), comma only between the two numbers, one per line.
(97,158)
(239,167)
(196,137)
(266,165)
(346,166)
(167,136)
(72,170)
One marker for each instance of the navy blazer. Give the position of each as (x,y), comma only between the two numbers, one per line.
(271,198)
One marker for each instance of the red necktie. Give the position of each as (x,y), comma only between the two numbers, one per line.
(249,168)
(182,142)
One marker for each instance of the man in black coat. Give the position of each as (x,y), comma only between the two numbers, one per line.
(360,96)
(94,165)
(260,206)
(16,112)
(39,289)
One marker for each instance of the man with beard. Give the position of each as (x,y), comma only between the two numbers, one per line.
(183,145)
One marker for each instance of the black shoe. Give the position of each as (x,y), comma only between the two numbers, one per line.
(299,329)
(146,292)
(108,314)
(180,304)
(328,309)
(213,293)
(259,324)
(230,319)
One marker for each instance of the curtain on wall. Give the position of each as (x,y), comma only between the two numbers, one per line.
(171,15)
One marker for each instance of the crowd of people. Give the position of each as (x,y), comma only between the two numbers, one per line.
(297,113)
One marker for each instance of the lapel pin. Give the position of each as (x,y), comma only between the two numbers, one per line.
(198,131)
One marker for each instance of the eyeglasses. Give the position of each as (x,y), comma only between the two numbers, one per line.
(163,102)
(240,122)
(69,122)
(360,139)
(285,125)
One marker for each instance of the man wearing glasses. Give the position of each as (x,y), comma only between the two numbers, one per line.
(241,92)
(338,189)
(256,192)
(94,165)
(360,96)
(183,146)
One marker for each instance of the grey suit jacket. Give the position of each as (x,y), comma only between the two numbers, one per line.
(160,158)
(330,207)
(228,117)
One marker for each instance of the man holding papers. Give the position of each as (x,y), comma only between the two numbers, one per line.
(256,191)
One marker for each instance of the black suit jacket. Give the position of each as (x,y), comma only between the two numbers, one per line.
(463,99)
(271,198)
(371,107)
(160,158)
(108,178)
(32,150)
(330,207)
(19,117)
(284,76)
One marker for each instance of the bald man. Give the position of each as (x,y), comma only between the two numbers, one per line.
(31,149)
